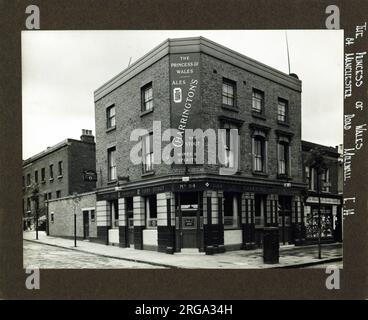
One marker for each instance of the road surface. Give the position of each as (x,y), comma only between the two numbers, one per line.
(50,257)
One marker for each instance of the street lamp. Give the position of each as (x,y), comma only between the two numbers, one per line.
(319,214)
(76,199)
(316,160)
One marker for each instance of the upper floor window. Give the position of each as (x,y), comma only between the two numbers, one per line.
(51,171)
(283,157)
(259,151)
(308,177)
(60,168)
(325,180)
(282,110)
(228,92)
(257,101)
(28,179)
(36,176)
(147,148)
(258,154)
(311,178)
(229,150)
(43,174)
(58,194)
(28,204)
(147,97)
(110,117)
(111,158)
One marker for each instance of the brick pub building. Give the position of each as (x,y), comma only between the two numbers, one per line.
(170,207)
(57,172)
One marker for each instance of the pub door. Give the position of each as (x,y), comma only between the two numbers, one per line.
(285,203)
(189,220)
(130,219)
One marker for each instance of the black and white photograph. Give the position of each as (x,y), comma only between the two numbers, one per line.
(194,149)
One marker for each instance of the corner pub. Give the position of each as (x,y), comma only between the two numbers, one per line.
(171,207)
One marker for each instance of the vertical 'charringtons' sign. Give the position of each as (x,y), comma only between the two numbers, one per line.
(185,96)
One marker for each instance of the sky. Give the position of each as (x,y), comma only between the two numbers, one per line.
(62,69)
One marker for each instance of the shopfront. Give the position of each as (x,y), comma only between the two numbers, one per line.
(199,215)
(324,217)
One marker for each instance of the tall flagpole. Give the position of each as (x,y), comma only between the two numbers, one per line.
(287,48)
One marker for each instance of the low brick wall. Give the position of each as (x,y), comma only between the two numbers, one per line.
(62,211)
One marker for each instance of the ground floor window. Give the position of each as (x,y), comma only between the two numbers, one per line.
(260,210)
(151,211)
(114,213)
(232,210)
(312,221)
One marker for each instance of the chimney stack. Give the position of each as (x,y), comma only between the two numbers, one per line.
(87,136)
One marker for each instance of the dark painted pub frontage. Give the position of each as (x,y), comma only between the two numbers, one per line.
(209,215)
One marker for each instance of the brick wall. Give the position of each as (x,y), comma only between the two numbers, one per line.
(63,211)
(127,100)
(76,157)
(58,183)
(212,73)
(82,156)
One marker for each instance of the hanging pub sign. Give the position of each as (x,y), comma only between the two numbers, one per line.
(89,175)
(185,103)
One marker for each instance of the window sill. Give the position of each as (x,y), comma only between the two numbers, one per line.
(43,181)
(143,113)
(110,129)
(238,172)
(231,108)
(51,179)
(259,173)
(258,115)
(147,174)
(112,181)
(60,177)
(285,124)
(231,228)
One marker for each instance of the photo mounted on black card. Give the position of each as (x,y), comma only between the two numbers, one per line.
(195,149)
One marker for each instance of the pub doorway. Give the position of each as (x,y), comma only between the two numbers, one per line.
(285,219)
(130,220)
(189,220)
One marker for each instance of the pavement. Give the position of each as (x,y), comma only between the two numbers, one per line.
(290,256)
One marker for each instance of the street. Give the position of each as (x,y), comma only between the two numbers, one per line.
(50,257)
(59,253)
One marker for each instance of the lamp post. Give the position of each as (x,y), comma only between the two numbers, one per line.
(316,160)
(319,214)
(75,203)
